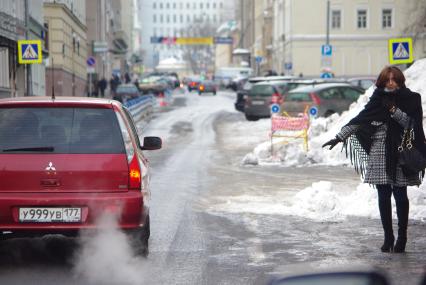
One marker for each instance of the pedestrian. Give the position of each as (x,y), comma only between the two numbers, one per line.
(372,139)
(102,85)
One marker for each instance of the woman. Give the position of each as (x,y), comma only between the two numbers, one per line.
(372,139)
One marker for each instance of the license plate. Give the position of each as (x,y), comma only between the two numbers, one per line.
(50,215)
(258,103)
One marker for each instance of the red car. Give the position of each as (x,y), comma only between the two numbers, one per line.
(66,161)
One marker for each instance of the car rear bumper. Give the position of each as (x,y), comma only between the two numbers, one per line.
(127,207)
(258,111)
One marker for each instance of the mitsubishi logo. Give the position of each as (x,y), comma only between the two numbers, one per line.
(50,167)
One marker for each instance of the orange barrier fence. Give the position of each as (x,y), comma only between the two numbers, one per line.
(290,128)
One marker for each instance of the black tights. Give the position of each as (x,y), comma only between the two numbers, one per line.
(385,207)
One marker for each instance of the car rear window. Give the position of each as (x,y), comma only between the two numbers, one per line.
(298,97)
(59,130)
(261,90)
(127,89)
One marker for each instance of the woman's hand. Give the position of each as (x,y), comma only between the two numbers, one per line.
(388,102)
(332,143)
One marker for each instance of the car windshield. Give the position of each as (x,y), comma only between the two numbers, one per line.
(59,130)
(298,97)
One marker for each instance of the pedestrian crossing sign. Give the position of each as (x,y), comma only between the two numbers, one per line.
(29,51)
(400,50)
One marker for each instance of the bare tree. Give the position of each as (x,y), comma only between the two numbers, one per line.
(200,57)
(417,20)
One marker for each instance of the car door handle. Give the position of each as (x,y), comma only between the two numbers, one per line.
(50,182)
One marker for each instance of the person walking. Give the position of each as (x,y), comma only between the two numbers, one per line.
(102,85)
(372,139)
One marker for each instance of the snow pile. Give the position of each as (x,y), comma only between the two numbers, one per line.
(323,201)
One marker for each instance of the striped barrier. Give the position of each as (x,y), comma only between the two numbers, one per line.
(142,107)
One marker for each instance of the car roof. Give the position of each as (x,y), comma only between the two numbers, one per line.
(318,87)
(271,78)
(59,101)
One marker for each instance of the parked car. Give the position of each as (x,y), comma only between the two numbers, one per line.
(207,86)
(66,161)
(241,96)
(328,98)
(126,92)
(284,84)
(259,99)
(362,82)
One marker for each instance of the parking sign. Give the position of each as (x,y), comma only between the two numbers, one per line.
(326,50)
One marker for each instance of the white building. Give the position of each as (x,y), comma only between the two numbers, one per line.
(359,34)
(179,18)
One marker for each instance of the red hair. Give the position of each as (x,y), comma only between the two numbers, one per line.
(398,76)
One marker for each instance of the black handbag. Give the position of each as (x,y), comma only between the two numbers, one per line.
(410,158)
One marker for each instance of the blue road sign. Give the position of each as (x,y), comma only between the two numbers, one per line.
(29,51)
(313,111)
(91,61)
(223,40)
(288,66)
(326,50)
(258,59)
(275,108)
(326,75)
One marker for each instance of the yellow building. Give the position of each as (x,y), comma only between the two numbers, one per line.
(67,44)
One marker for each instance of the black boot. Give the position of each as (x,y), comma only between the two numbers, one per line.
(385,208)
(402,209)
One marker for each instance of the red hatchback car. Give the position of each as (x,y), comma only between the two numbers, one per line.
(66,161)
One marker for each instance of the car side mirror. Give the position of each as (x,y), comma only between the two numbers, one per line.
(334,278)
(151,143)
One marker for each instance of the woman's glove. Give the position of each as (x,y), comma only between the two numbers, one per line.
(388,102)
(332,143)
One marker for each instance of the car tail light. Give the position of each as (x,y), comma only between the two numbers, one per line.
(132,157)
(315,98)
(201,87)
(247,99)
(135,174)
(276,98)
(161,95)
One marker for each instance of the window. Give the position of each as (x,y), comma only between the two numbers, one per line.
(168,18)
(181,18)
(187,5)
(214,5)
(161,5)
(188,18)
(350,94)
(154,5)
(362,19)
(167,5)
(336,19)
(174,18)
(330,94)
(221,5)
(214,18)
(161,18)
(174,5)
(208,5)
(386,18)
(201,6)
(154,18)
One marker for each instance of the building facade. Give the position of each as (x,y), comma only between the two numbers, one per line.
(67,43)
(189,18)
(12,28)
(359,31)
